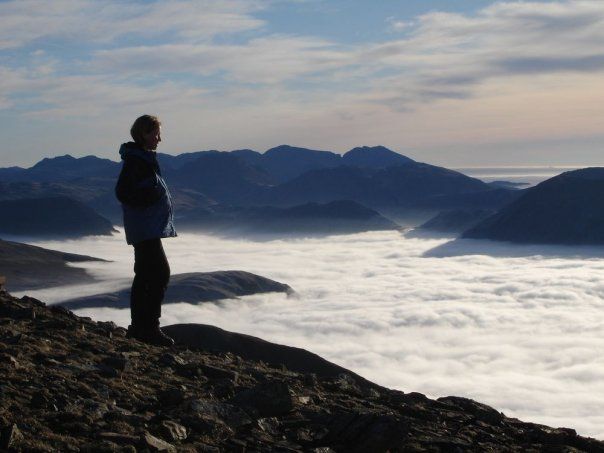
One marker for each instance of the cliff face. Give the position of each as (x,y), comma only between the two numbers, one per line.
(72,384)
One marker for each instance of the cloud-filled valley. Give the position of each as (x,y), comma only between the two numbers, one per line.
(520,330)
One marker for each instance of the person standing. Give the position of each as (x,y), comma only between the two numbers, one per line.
(148,217)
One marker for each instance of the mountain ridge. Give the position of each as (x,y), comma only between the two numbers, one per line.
(566,209)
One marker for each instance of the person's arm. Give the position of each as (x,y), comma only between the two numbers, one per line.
(137,184)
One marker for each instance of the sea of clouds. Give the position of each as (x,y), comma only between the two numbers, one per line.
(520,328)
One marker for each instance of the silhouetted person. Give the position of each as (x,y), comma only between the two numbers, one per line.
(147,208)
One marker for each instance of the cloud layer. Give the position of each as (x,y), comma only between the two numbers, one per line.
(516,327)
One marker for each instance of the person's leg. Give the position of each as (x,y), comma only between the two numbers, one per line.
(158,282)
(152,273)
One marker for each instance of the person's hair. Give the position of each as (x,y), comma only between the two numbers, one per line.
(143,125)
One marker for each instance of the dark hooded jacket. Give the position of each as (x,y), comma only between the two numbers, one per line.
(145,198)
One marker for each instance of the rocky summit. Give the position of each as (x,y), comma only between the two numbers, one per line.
(71,384)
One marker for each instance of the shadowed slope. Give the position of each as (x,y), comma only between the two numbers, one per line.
(566,209)
(211,338)
(30,267)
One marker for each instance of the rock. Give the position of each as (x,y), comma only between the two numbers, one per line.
(171,397)
(75,428)
(119,438)
(40,399)
(9,436)
(482,412)
(171,360)
(227,413)
(154,444)
(172,430)
(365,432)
(94,409)
(14,339)
(9,360)
(107,371)
(267,399)
(107,325)
(347,384)
(118,363)
(219,373)
(102,446)
(269,425)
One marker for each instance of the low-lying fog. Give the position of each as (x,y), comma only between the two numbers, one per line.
(520,328)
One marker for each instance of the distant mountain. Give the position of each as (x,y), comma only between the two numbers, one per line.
(374,157)
(220,176)
(342,216)
(205,182)
(330,218)
(409,185)
(286,162)
(192,287)
(483,199)
(320,186)
(30,267)
(253,158)
(51,217)
(508,184)
(63,168)
(566,209)
(11,173)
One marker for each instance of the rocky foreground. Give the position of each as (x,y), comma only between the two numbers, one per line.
(72,384)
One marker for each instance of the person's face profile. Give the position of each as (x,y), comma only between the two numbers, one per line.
(152,138)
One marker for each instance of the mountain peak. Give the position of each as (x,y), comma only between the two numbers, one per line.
(57,160)
(366,148)
(281,149)
(374,156)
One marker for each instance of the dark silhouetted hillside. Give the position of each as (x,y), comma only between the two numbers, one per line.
(192,287)
(30,267)
(566,209)
(51,217)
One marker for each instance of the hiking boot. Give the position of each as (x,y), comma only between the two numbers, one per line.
(151,335)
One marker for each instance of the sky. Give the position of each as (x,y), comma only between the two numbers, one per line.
(456,83)
(518,327)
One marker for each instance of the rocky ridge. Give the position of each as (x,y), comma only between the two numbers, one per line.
(72,384)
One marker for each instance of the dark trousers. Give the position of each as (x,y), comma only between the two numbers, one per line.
(151,277)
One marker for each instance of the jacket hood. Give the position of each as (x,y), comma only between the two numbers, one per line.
(132,149)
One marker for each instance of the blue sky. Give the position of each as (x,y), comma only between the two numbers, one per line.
(455,83)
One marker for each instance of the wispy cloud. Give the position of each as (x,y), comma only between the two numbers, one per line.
(86,58)
(29,21)
(268,60)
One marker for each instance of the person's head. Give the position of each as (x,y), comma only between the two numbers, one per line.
(146,132)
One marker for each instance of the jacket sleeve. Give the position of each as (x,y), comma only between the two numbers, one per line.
(137,184)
